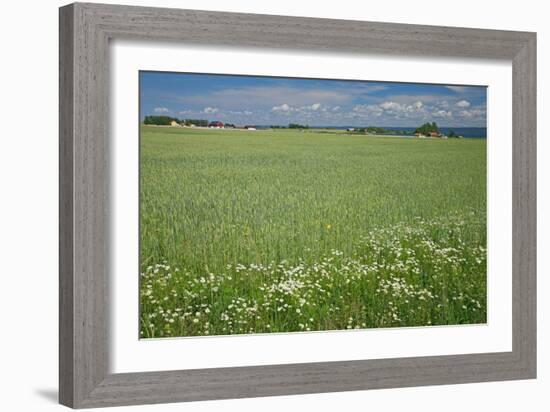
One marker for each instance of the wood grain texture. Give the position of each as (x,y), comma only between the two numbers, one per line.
(85,31)
(524,205)
(66,229)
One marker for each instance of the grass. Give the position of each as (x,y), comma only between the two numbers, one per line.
(280,231)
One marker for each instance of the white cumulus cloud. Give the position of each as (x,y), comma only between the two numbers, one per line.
(443,114)
(210,110)
(472,113)
(368,109)
(463,103)
(161,110)
(282,108)
(391,106)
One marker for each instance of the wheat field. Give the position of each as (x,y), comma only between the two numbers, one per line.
(287,231)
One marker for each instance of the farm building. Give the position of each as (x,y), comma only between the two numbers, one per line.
(216,125)
(173,123)
(249,127)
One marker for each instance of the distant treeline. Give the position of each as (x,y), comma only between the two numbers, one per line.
(167,120)
(425,129)
(379,131)
(290,126)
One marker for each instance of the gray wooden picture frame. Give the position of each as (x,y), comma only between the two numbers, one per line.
(85,32)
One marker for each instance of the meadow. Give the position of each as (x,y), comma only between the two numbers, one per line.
(283,231)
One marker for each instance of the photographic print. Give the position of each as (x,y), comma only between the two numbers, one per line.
(284,205)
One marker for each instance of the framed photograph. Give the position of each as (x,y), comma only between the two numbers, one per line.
(256,205)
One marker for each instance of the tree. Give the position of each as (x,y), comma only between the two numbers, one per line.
(427,128)
(159,120)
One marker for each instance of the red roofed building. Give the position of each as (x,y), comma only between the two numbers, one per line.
(217,125)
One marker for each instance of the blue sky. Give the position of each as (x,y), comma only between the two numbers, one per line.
(279,101)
